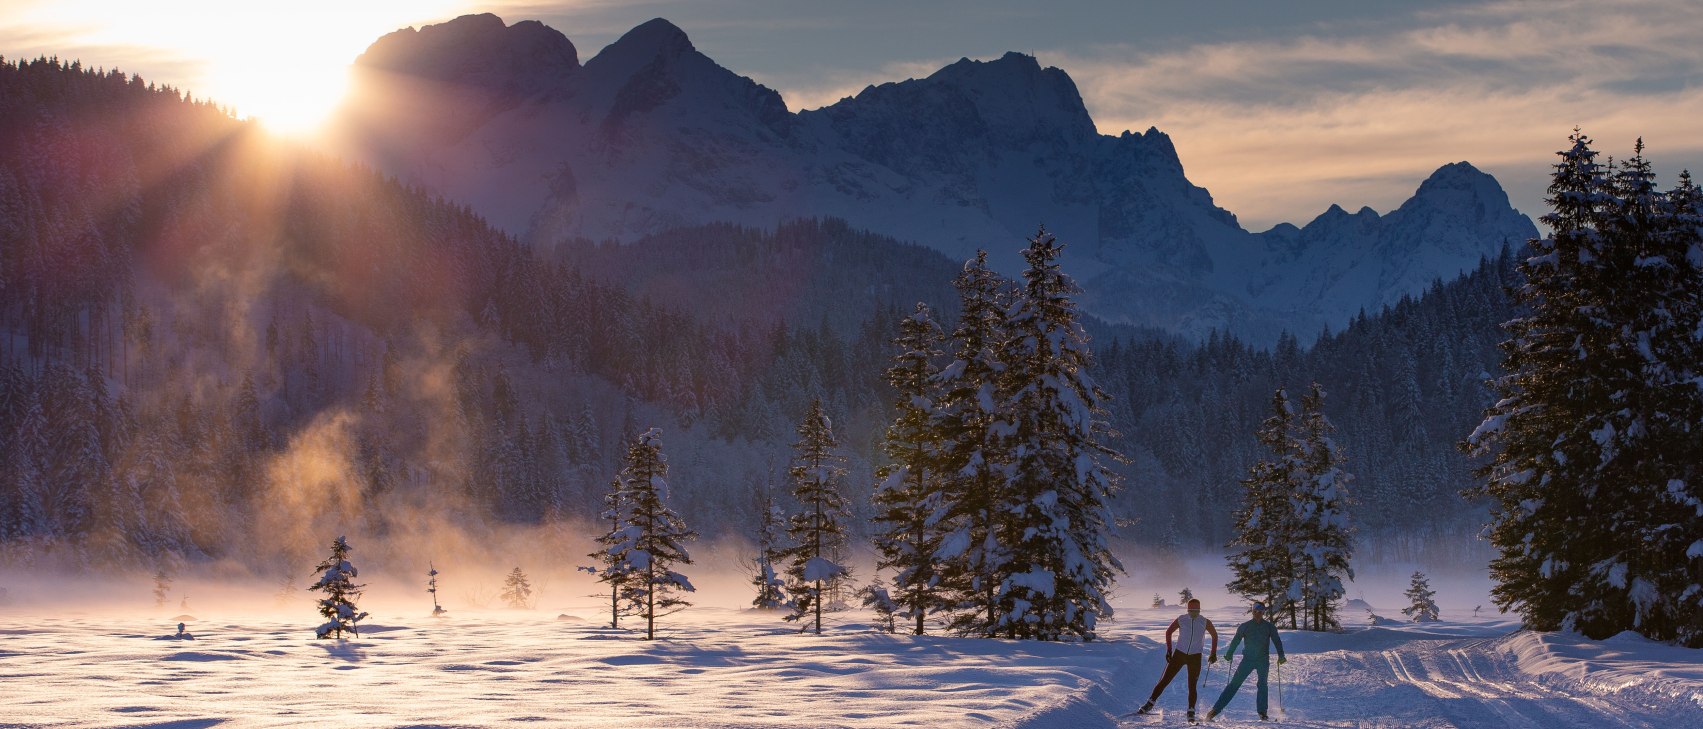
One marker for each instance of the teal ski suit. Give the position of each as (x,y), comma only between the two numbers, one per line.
(1260,634)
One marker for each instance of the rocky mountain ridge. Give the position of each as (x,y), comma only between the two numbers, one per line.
(650,134)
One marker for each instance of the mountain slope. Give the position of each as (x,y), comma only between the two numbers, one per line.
(651,134)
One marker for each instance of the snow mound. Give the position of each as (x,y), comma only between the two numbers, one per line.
(1626,666)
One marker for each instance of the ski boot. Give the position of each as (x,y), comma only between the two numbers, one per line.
(1146,708)
(1191,719)
(1263,717)
(1211,714)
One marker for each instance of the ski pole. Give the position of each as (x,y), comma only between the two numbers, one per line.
(1282,711)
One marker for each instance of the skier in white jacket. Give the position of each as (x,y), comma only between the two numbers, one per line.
(1192,629)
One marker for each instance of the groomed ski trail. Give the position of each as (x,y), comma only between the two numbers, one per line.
(1425,683)
(1466,674)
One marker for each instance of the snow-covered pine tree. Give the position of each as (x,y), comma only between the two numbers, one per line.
(771,593)
(1056,502)
(613,567)
(1259,558)
(162,587)
(1593,465)
(909,498)
(1675,539)
(337,580)
(1652,456)
(1158,602)
(1185,596)
(1422,607)
(517,590)
(820,525)
(659,534)
(432,587)
(1541,460)
(969,390)
(1321,540)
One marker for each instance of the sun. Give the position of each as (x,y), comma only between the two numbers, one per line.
(288,99)
(286,65)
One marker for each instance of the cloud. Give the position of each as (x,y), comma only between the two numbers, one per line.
(1278,129)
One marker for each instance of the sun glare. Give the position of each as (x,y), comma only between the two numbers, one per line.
(284,64)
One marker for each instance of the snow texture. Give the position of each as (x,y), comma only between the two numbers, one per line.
(734,668)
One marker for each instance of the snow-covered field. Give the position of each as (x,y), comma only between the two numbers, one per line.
(722,667)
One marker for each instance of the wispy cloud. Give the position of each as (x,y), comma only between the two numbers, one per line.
(1280,128)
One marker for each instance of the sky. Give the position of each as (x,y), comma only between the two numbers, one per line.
(1280,109)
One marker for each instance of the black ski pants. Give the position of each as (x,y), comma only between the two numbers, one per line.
(1179,660)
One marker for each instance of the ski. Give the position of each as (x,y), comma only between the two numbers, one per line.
(1154,716)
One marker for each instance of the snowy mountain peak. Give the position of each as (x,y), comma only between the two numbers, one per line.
(651,134)
(654,39)
(1459,182)
(1015,91)
(477,50)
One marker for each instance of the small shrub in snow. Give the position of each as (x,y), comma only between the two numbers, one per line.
(432,587)
(876,597)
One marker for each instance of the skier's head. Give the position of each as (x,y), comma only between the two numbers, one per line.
(1194,606)
(1259,610)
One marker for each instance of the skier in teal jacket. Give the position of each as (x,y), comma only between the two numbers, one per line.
(1260,635)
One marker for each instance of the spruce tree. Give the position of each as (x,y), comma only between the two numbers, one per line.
(1676,523)
(1056,501)
(337,581)
(909,498)
(1541,457)
(971,460)
(614,568)
(771,593)
(820,526)
(1185,596)
(1259,557)
(1421,604)
(658,533)
(517,590)
(1591,459)
(1321,539)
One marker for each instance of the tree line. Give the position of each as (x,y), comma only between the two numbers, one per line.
(1590,454)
